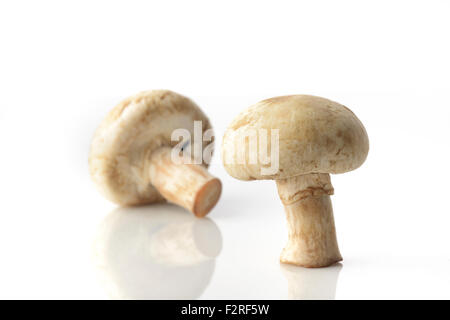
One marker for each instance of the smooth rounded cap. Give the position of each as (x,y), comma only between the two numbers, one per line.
(124,142)
(316,135)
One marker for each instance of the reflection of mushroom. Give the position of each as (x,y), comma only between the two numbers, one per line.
(316,137)
(311,284)
(186,243)
(140,253)
(130,158)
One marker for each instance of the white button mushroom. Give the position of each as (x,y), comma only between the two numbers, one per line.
(316,137)
(130,157)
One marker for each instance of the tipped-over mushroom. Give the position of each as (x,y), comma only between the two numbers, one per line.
(316,137)
(131,154)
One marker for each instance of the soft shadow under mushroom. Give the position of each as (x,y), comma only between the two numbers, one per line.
(157,252)
(311,284)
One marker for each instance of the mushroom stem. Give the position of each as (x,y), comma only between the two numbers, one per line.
(312,239)
(188,185)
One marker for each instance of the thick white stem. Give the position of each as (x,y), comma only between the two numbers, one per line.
(312,239)
(188,185)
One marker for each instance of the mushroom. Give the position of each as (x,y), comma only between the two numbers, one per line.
(316,137)
(131,158)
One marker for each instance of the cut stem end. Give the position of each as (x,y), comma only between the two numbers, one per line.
(187,185)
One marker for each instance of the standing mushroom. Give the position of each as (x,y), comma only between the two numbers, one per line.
(316,137)
(131,154)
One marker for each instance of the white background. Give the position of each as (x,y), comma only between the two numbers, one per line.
(64,65)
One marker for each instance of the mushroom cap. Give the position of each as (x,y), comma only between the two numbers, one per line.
(316,135)
(121,149)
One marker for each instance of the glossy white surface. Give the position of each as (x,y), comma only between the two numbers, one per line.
(63,66)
